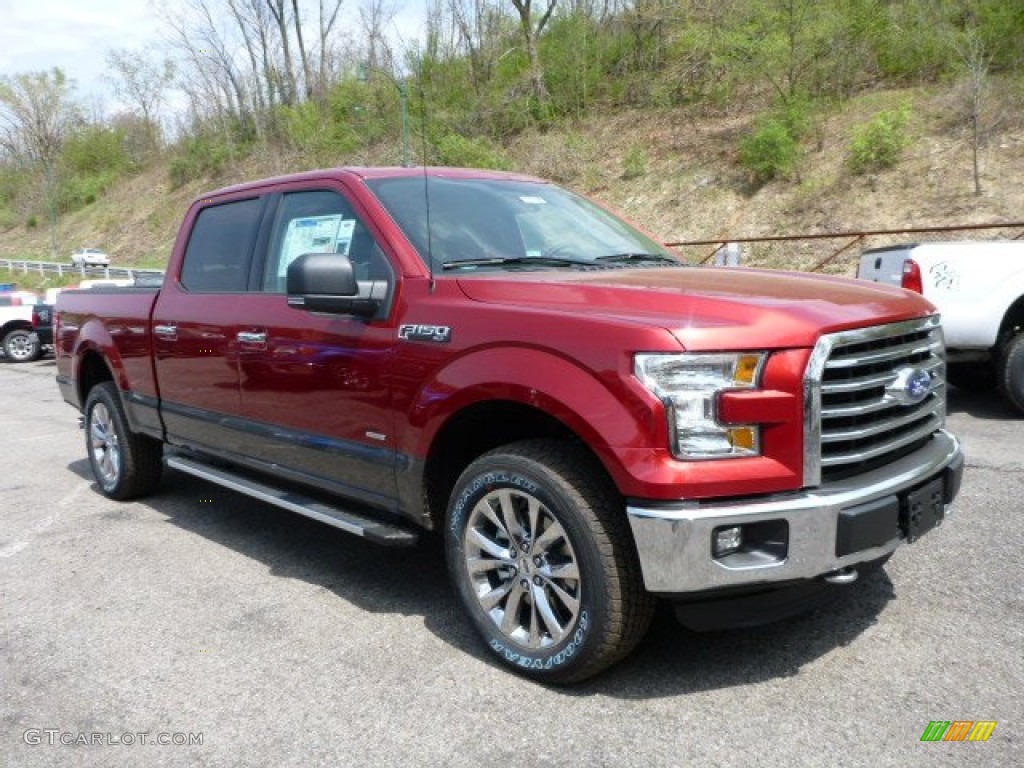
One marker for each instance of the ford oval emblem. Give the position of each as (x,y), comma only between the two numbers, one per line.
(910,386)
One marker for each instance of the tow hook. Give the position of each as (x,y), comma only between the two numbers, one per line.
(842,576)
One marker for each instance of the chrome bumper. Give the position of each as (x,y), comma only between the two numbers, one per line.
(674,540)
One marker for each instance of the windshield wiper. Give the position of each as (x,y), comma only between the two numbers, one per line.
(622,258)
(503,261)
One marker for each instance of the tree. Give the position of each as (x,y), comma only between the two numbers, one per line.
(36,113)
(975,63)
(141,82)
(531,27)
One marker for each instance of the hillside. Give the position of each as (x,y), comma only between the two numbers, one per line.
(683,183)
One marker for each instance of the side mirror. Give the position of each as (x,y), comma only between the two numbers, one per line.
(325,282)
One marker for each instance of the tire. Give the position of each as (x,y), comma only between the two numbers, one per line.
(124,464)
(1011,373)
(977,376)
(22,346)
(575,604)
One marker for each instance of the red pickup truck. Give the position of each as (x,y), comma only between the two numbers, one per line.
(589,423)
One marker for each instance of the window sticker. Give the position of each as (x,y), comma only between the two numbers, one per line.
(314,234)
(533,200)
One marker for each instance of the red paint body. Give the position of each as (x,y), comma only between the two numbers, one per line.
(560,341)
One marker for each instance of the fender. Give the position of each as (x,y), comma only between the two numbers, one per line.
(633,444)
(548,382)
(94,338)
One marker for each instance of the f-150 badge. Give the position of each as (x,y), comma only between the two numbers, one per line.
(441,334)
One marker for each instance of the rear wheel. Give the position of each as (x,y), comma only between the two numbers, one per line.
(22,346)
(1011,376)
(541,556)
(124,464)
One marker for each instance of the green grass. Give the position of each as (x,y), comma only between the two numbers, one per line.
(33,281)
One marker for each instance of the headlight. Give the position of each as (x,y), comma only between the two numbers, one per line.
(688,385)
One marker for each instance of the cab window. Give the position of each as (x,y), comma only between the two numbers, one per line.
(219,250)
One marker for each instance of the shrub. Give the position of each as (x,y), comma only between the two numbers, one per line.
(770,151)
(455,150)
(879,143)
(200,157)
(321,134)
(634,164)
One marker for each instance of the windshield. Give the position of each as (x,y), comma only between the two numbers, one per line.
(505,224)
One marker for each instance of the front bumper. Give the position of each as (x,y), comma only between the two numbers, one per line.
(674,540)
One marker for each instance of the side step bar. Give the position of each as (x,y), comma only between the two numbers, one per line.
(372,530)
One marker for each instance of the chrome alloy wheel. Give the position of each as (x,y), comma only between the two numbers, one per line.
(104,446)
(522,568)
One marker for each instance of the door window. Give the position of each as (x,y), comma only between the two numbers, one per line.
(220,248)
(322,221)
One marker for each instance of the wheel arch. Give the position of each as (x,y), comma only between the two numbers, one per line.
(481,427)
(1012,322)
(92,370)
(14,325)
(501,395)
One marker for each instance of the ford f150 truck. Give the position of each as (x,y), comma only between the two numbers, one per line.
(590,424)
(978,288)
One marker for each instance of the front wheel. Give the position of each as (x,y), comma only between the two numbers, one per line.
(540,553)
(22,346)
(1011,377)
(124,464)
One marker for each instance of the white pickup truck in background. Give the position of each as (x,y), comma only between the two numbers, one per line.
(978,287)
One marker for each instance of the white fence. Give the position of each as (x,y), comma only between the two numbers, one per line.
(62,269)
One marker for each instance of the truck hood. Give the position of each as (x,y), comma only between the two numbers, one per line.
(701,307)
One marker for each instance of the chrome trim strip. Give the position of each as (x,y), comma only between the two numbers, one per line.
(853,457)
(889,353)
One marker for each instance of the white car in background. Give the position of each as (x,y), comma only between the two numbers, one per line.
(978,287)
(90,257)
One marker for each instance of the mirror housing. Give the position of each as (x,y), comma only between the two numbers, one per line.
(326,282)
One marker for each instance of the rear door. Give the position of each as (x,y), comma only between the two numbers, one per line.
(315,388)
(195,328)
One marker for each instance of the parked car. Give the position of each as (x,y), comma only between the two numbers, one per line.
(591,425)
(978,287)
(90,257)
(18,337)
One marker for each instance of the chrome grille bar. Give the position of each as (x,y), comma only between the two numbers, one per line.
(857,405)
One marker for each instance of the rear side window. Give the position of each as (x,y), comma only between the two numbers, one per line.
(220,248)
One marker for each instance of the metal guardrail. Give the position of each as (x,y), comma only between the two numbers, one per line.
(813,253)
(80,270)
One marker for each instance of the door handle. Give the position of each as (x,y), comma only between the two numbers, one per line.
(168,332)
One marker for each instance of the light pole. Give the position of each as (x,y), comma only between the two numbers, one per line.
(403,95)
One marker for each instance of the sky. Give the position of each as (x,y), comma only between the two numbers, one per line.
(38,35)
(75,35)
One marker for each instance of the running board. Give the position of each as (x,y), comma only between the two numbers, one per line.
(351,522)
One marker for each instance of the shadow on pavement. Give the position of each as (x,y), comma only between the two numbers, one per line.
(670,661)
(981,405)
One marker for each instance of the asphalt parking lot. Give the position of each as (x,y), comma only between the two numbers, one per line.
(198,615)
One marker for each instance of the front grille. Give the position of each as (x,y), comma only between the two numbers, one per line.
(859,410)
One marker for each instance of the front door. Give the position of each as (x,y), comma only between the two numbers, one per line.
(315,389)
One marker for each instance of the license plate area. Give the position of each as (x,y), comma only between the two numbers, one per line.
(922,509)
